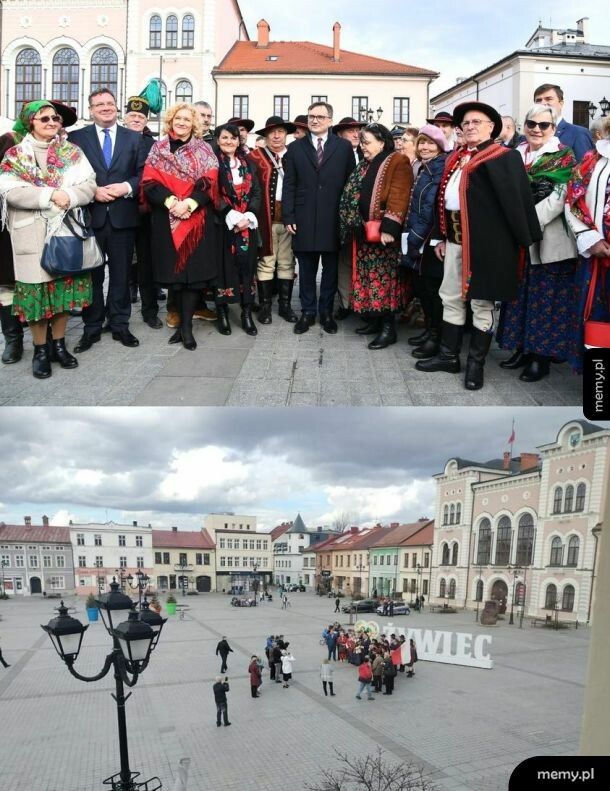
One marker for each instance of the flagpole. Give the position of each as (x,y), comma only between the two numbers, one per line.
(512,439)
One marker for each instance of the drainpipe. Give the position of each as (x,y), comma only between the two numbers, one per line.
(215,97)
(595,533)
(468,567)
(476,82)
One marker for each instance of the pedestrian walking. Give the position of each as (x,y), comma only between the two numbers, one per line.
(326,674)
(331,643)
(337,602)
(220,696)
(389,673)
(285,602)
(3,661)
(412,658)
(421,602)
(256,678)
(365,676)
(223,649)
(287,660)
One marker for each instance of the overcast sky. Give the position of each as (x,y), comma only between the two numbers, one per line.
(456,39)
(172,466)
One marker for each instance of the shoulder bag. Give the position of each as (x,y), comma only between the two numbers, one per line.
(73,249)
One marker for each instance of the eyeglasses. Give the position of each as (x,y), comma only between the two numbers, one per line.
(102,104)
(476,122)
(317,117)
(44,119)
(542,125)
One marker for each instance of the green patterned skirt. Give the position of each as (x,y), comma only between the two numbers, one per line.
(37,301)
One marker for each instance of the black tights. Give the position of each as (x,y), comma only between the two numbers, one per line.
(189,300)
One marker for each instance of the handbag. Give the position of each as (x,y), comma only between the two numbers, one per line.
(72,250)
(597,333)
(372,230)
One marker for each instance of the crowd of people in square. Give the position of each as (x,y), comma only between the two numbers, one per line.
(464,215)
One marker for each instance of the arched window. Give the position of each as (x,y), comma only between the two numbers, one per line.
(452,514)
(567,599)
(557,497)
(479,593)
(484,546)
(445,558)
(550,598)
(569,501)
(104,69)
(154,32)
(188,31)
(556,552)
(171,32)
(446,515)
(452,589)
(573,547)
(503,541)
(184,92)
(454,555)
(458,513)
(581,490)
(442,588)
(28,78)
(520,594)
(65,76)
(525,540)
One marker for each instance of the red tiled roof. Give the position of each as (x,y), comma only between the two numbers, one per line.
(330,542)
(396,536)
(280,530)
(173,539)
(46,534)
(424,536)
(306,57)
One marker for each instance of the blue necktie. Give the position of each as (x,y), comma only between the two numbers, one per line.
(107,148)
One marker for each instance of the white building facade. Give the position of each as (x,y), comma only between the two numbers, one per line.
(244,557)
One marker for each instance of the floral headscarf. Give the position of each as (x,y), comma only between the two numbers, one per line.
(29,110)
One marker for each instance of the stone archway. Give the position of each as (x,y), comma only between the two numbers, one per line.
(499,593)
(204,584)
(35,585)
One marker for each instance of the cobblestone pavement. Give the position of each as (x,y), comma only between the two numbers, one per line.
(277,368)
(467,728)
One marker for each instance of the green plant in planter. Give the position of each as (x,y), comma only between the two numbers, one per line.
(171,599)
(171,604)
(91,607)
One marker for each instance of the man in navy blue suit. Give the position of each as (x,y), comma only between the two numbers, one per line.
(117,156)
(576,137)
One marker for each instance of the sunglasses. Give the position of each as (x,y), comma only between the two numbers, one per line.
(44,119)
(542,125)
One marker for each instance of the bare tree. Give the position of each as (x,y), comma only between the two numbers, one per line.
(372,773)
(343,521)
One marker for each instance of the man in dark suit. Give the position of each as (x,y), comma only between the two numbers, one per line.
(316,168)
(117,156)
(575,137)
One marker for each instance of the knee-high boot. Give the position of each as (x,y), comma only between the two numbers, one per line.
(265,295)
(12,330)
(189,300)
(223,324)
(247,325)
(285,295)
(479,346)
(448,357)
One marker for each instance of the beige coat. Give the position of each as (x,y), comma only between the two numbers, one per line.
(29,207)
(558,243)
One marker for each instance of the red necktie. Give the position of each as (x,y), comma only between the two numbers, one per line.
(320,152)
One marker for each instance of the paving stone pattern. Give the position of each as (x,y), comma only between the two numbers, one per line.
(277,368)
(467,728)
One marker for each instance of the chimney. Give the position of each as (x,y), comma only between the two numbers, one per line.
(174,529)
(506,464)
(263,34)
(394,524)
(27,520)
(45,521)
(319,529)
(583,28)
(336,42)
(70,521)
(529,461)
(353,530)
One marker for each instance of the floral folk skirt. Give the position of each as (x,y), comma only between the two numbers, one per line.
(37,301)
(379,284)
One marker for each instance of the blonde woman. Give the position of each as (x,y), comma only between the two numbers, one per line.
(180,182)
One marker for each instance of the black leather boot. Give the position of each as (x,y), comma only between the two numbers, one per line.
(479,346)
(285,295)
(247,325)
(59,354)
(430,347)
(41,362)
(387,336)
(448,357)
(223,323)
(372,326)
(516,360)
(12,330)
(265,295)
(422,337)
(537,368)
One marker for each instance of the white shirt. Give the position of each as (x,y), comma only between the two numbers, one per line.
(315,138)
(452,192)
(101,136)
(529,157)
(233,216)
(276,161)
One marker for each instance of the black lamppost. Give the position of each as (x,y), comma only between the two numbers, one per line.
(132,643)
(183,578)
(479,597)
(100,579)
(122,578)
(366,114)
(524,589)
(3,564)
(142,581)
(255,582)
(419,573)
(514,570)
(604,106)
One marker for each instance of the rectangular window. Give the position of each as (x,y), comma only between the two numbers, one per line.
(251,543)
(240,110)
(123,562)
(6,560)
(580,114)
(264,563)
(413,585)
(166,558)
(140,562)
(374,560)
(33,561)
(183,560)
(244,562)
(229,543)
(19,561)
(381,560)
(82,561)
(305,563)
(99,561)
(406,560)
(60,561)
(306,579)
(281,106)
(360,106)
(414,561)
(230,560)
(405,586)
(58,583)
(222,543)
(424,589)
(206,559)
(198,558)
(395,560)
(265,544)
(80,539)
(316,99)
(121,541)
(46,561)
(97,540)
(401,110)
(158,557)
(222,561)
(139,541)
(426,560)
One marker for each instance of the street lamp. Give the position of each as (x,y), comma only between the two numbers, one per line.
(366,114)
(604,106)
(182,566)
(592,108)
(4,564)
(514,570)
(132,643)
(418,584)
(255,582)
(122,578)
(142,581)
(479,598)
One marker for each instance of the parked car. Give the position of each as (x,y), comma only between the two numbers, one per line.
(364,605)
(293,587)
(400,608)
